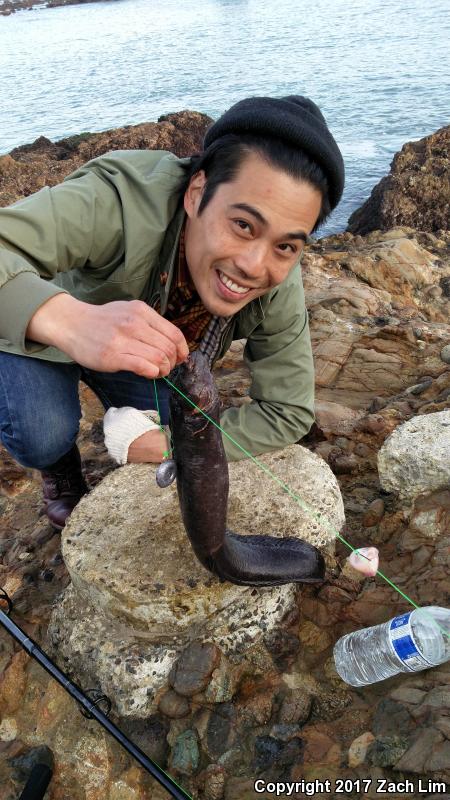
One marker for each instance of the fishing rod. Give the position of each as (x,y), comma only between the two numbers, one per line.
(88,707)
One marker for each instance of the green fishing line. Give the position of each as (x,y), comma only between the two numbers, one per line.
(166,453)
(319,517)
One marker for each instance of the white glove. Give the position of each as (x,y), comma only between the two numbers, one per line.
(121,426)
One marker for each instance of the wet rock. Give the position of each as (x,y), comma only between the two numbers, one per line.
(416,191)
(271,752)
(311,636)
(329,705)
(386,751)
(257,710)
(374,513)
(418,755)
(185,756)
(222,683)
(8,729)
(285,732)
(27,169)
(220,730)
(150,735)
(408,694)
(13,683)
(295,708)
(392,718)
(344,463)
(283,647)
(413,460)
(439,697)
(191,672)
(334,418)
(358,749)
(152,610)
(174,706)
(211,782)
(320,748)
(439,760)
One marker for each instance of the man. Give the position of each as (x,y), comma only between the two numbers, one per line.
(137,258)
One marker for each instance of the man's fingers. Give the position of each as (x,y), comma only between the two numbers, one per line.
(165,328)
(161,344)
(140,366)
(151,358)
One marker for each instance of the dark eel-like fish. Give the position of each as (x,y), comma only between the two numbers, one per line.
(202,481)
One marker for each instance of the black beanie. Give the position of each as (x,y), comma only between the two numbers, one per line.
(294,119)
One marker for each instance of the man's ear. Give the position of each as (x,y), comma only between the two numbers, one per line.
(194,192)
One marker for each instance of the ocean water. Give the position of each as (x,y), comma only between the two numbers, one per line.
(380,71)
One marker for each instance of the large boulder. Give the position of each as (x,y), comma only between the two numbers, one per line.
(28,168)
(415,193)
(415,459)
(139,596)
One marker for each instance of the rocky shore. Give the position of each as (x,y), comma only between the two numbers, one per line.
(8,7)
(379,303)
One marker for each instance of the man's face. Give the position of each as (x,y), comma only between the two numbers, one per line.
(250,234)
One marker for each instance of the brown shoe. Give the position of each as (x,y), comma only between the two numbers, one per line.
(64,486)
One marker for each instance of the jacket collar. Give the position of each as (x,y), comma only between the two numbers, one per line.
(168,255)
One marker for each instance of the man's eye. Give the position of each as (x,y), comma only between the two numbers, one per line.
(287,248)
(242,224)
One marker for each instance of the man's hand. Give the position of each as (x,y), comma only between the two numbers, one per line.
(120,335)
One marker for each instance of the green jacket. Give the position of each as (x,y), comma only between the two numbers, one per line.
(106,233)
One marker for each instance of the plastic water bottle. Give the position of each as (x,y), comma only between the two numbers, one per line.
(408,643)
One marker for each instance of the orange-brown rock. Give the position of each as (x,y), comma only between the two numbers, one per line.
(379,308)
(44,163)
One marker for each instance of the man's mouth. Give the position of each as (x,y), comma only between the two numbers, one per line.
(231,285)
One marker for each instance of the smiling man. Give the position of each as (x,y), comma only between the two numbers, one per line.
(139,257)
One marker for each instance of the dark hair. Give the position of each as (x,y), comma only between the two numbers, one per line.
(222,159)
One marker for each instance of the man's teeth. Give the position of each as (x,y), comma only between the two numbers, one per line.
(233,286)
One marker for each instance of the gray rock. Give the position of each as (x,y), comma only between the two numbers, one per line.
(191,672)
(220,731)
(150,735)
(420,751)
(440,758)
(445,354)
(295,708)
(139,596)
(385,751)
(408,694)
(173,706)
(439,697)
(185,755)
(212,781)
(415,459)
(392,719)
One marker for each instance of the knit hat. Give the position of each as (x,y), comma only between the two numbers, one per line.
(294,119)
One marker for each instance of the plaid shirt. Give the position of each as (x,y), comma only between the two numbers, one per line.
(201,329)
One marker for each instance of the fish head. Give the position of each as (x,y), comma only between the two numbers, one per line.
(193,378)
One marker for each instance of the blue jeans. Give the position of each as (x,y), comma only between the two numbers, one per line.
(40,408)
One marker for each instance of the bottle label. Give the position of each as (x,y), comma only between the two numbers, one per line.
(400,634)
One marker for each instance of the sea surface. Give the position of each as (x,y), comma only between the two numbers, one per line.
(379,70)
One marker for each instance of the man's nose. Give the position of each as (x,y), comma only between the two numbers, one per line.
(252,260)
